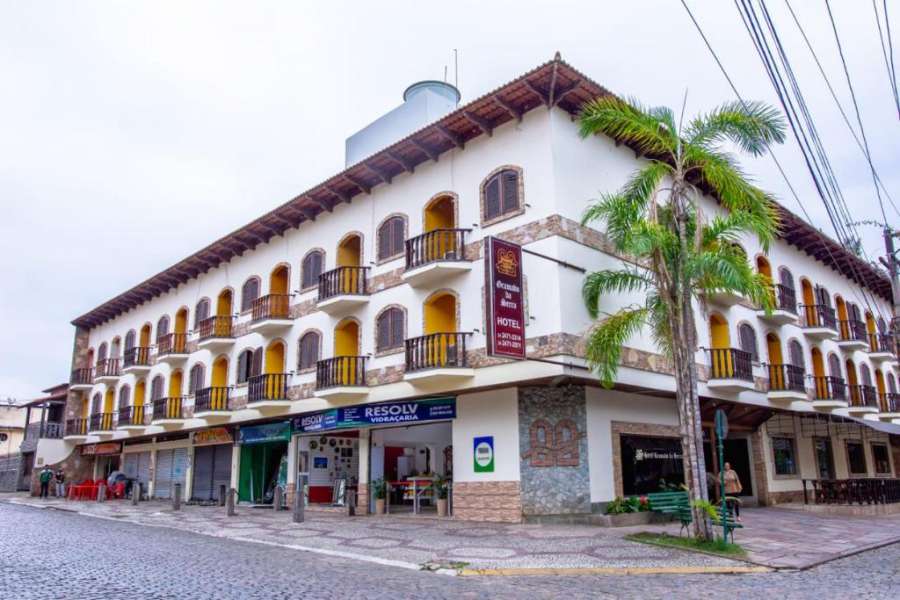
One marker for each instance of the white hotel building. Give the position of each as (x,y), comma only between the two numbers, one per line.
(368,289)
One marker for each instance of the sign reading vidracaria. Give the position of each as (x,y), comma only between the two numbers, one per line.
(504,299)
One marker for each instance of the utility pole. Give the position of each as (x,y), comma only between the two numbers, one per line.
(892,266)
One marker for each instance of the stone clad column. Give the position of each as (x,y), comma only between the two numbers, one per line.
(362,495)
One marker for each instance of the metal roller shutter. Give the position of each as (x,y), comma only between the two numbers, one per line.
(130,466)
(222,469)
(143,471)
(179,467)
(164,460)
(203,473)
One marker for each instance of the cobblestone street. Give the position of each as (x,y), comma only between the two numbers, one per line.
(87,558)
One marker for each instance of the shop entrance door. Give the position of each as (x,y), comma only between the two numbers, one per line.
(137,467)
(263,466)
(824,458)
(212,469)
(737,452)
(171,467)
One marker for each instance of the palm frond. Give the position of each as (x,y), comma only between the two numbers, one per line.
(752,126)
(725,268)
(627,122)
(611,282)
(605,340)
(658,319)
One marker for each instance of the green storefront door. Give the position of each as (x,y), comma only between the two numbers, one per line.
(263,461)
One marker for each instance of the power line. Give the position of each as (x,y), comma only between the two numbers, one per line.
(888,63)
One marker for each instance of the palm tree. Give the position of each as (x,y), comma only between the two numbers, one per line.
(680,256)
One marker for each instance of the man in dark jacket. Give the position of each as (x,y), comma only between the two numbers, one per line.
(45,477)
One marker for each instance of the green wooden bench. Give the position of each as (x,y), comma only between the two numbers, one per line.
(677,505)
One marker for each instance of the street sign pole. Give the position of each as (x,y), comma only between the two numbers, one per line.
(721,434)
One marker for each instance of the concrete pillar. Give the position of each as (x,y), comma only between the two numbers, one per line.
(151,485)
(236,466)
(229,502)
(291,484)
(223,492)
(299,508)
(362,500)
(135,493)
(101,493)
(277,501)
(189,471)
(176,497)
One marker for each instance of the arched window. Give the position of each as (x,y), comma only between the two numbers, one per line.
(308,351)
(391,236)
(130,338)
(156,388)
(747,337)
(101,352)
(795,350)
(882,326)
(249,293)
(124,396)
(892,384)
(201,313)
(249,364)
(162,327)
(311,269)
(834,366)
(196,378)
(865,374)
(389,329)
(501,195)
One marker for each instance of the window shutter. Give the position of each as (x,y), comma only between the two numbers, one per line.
(156,388)
(748,341)
(124,397)
(249,293)
(383,327)
(796,352)
(397,327)
(309,350)
(510,191)
(866,376)
(162,328)
(101,353)
(256,367)
(492,198)
(384,240)
(243,366)
(397,236)
(834,366)
(95,404)
(787,280)
(312,268)
(201,313)
(892,385)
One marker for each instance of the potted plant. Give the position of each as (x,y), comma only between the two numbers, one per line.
(379,492)
(441,491)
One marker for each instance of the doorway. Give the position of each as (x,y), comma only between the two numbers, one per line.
(824,457)
(737,453)
(263,466)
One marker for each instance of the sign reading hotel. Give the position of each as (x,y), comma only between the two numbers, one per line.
(483,454)
(505,300)
(384,413)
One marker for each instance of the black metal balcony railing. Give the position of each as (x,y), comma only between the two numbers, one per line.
(730,363)
(50,430)
(270,386)
(785,298)
(436,351)
(83,376)
(853,330)
(882,342)
(108,367)
(211,399)
(819,315)
(865,490)
(863,395)
(131,415)
(785,378)
(829,388)
(341,371)
(273,306)
(76,426)
(215,327)
(892,402)
(172,343)
(102,422)
(168,408)
(436,245)
(139,356)
(343,281)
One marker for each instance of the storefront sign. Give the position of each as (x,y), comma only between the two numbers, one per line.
(483,453)
(265,433)
(385,413)
(505,300)
(101,449)
(216,435)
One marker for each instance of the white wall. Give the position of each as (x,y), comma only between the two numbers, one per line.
(494,413)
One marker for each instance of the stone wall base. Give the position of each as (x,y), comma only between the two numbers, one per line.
(498,501)
(774,498)
(77,468)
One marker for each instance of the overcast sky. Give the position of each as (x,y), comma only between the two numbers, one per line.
(134,133)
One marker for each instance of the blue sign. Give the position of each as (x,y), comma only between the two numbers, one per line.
(483,454)
(265,433)
(385,413)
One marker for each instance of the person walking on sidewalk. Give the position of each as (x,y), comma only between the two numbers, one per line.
(732,488)
(45,477)
(60,479)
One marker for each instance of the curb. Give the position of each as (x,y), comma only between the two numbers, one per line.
(615,571)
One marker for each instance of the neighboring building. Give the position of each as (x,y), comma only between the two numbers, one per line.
(342,337)
(12,427)
(43,444)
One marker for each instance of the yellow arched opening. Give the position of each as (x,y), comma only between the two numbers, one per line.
(279,280)
(809,299)
(181,320)
(346,338)
(140,392)
(440,214)
(440,314)
(871,330)
(85,405)
(765,269)
(217,398)
(852,381)
(776,371)
(349,252)
(274,358)
(841,307)
(223,303)
(879,385)
(145,335)
(175,386)
(109,403)
(818,365)
(718,332)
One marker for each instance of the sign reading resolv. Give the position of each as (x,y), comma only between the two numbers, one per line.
(385,413)
(505,299)
(483,453)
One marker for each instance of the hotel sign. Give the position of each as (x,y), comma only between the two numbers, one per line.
(384,413)
(215,435)
(101,449)
(504,299)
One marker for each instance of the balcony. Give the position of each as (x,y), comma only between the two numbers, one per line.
(268,393)
(343,289)
(102,424)
(76,430)
(890,407)
(47,430)
(107,371)
(341,378)
(852,335)
(82,379)
(731,370)
(172,348)
(863,399)
(216,333)
(437,358)
(819,322)
(786,383)
(785,310)
(829,393)
(136,361)
(211,404)
(271,313)
(882,347)
(434,256)
(168,413)
(131,418)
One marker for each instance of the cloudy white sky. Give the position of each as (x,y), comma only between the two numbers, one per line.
(134,133)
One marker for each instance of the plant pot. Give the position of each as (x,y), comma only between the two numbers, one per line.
(379,506)
(442,507)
